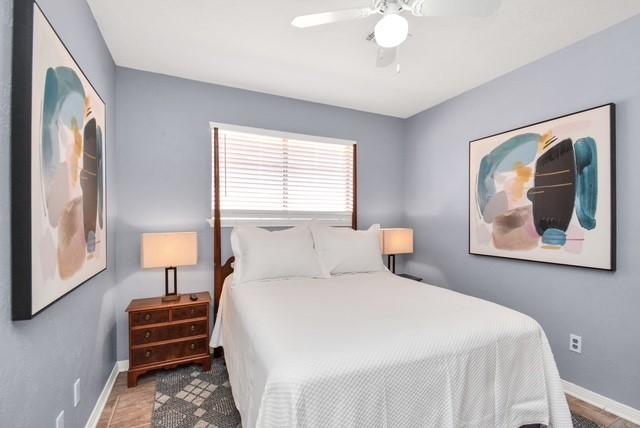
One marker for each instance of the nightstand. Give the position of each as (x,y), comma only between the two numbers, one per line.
(408,276)
(164,335)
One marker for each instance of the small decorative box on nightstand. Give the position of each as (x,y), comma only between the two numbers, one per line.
(168,334)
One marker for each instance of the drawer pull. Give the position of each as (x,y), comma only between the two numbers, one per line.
(192,346)
(147,354)
(147,317)
(192,328)
(147,334)
(192,311)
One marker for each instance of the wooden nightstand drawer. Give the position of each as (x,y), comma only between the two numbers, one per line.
(188,312)
(141,336)
(171,351)
(149,317)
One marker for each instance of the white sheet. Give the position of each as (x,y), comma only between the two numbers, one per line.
(377,350)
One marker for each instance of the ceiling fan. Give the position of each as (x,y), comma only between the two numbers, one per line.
(392,29)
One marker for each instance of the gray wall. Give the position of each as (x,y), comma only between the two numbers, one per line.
(164,166)
(41,358)
(601,307)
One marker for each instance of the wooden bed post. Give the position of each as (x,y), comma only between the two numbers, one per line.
(354,215)
(217,238)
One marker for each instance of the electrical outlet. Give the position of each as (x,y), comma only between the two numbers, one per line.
(60,420)
(76,392)
(575,343)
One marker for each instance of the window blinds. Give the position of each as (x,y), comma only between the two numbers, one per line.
(272,180)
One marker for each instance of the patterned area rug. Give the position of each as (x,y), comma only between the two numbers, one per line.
(582,422)
(190,398)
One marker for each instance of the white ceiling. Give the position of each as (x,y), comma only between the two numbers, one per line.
(250,44)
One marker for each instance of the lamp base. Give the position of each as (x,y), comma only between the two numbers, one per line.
(391,262)
(171,298)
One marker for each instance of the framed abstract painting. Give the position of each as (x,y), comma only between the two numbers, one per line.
(546,192)
(59,223)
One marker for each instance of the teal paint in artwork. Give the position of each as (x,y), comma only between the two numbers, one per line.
(555,237)
(519,149)
(586,181)
(63,104)
(91,242)
(50,150)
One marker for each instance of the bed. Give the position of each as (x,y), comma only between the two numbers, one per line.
(378,350)
(340,349)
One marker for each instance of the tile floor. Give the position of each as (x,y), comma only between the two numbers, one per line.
(129,407)
(599,416)
(133,407)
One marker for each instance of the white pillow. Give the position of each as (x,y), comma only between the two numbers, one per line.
(344,250)
(262,254)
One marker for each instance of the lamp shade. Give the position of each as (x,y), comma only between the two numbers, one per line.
(162,250)
(397,241)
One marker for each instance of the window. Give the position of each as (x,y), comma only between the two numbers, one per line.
(270,178)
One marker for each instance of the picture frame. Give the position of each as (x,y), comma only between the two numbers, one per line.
(58,168)
(546,192)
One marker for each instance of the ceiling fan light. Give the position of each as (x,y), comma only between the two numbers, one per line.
(391,31)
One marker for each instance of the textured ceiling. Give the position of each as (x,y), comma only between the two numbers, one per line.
(251,45)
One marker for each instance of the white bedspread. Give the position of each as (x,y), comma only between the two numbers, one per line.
(377,350)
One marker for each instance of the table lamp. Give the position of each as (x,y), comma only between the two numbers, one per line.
(396,241)
(168,251)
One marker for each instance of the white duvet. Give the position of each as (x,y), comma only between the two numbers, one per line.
(377,350)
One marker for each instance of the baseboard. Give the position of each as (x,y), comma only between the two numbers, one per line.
(602,402)
(102,399)
(123,365)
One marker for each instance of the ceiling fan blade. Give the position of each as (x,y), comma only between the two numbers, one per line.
(386,57)
(455,7)
(330,17)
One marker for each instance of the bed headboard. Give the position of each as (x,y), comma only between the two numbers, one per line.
(222,271)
